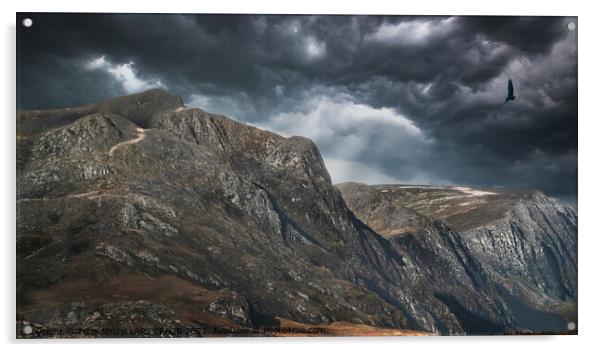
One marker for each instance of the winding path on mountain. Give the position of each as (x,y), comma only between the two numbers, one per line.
(140,135)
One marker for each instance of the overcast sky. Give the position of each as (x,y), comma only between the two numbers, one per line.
(393,99)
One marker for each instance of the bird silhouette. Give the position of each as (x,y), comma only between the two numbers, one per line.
(511,95)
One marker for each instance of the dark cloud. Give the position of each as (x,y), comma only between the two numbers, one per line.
(386,98)
(532,35)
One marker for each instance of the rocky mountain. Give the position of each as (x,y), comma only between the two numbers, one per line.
(141,213)
(525,241)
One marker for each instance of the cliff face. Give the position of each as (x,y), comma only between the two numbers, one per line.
(533,248)
(141,212)
(525,242)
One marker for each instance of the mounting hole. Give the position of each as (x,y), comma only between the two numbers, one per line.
(27,330)
(571,326)
(571,26)
(27,22)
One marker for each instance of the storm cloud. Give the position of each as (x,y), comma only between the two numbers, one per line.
(408,99)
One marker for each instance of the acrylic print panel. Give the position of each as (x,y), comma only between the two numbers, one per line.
(290,175)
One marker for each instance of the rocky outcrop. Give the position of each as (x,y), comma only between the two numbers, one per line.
(532,249)
(522,241)
(141,204)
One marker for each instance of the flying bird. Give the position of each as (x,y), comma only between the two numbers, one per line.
(511,95)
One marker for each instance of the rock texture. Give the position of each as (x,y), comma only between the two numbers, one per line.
(533,248)
(524,241)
